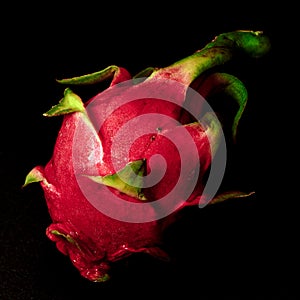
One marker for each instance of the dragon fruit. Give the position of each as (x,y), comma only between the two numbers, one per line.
(127,161)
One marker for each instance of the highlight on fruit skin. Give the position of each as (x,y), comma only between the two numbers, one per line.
(92,239)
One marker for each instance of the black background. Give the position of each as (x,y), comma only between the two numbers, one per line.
(239,248)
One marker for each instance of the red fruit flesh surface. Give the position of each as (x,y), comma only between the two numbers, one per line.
(90,238)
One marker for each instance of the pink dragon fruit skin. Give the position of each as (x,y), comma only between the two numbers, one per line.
(82,155)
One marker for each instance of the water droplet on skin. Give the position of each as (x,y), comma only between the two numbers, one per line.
(125,247)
